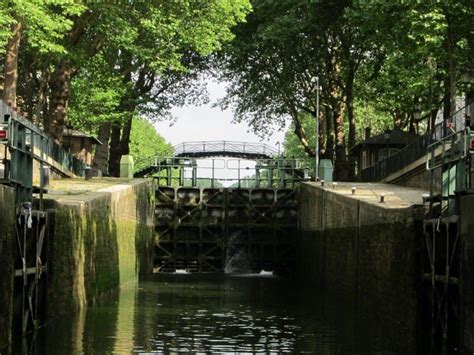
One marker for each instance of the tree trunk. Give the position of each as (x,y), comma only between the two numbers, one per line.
(59,84)
(413,125)
(352,122)
(432,123)
(120,141)
(301,134)
(114,151)
(340,168)
(399,121)
(125,140)
(11,65)
(101,157)
(330,135)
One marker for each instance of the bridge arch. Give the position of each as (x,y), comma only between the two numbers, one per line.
(234,149)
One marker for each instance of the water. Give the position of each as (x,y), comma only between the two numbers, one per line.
(190,313)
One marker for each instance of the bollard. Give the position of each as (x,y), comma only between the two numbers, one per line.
(126,166)
(382,197)
(425,198)
(88,173)
(353,189)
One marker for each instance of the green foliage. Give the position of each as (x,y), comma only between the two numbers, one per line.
(203,183)
(292,145)
(96,94)
(146,142)
(44,22)
(116,59)
(369,116)
(378,62)
(6,20)
(366,116)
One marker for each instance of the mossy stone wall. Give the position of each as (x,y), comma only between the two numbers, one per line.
(7,235)
(367,256)
(97,243)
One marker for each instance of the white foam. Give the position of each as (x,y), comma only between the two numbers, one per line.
(181,271)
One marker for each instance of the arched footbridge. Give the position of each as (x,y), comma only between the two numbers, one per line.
(243,150)
(224,155)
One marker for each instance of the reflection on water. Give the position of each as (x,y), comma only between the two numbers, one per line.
(205,313)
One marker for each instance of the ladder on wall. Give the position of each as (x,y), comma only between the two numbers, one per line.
(22,144)
(451,172)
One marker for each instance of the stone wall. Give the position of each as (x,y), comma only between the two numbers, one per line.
(364,253)
(7,228)
(467,273)
(98,242)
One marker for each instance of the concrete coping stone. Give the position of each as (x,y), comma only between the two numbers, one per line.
(396,197)
(78,191)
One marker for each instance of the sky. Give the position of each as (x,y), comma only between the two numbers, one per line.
(205,123)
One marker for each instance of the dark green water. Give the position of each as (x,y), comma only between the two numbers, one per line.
(189,313)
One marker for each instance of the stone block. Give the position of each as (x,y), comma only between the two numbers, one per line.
(126,166)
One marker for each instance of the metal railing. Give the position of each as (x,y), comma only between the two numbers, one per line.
(395,162)
(452,158)
(413,151)
(190,171)
(54,155)
(61,159)
(225,148)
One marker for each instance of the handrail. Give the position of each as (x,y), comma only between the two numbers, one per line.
(231,148)
(413,151)
(54,155)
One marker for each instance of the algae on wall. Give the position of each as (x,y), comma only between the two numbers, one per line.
(366,256)
(97,244)
(7,228)
(467,273)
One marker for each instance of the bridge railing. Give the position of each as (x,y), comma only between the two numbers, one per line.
(209,148)
(413,151)
(217,172)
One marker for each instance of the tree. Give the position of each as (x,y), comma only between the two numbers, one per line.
(365,114)
(424,53)
(146,142)
(43,22)
(397,56)
(147,45)
(274,61)
(166,54)
(147,52)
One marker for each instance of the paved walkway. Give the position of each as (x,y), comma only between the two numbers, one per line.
(77,189)
(395,196)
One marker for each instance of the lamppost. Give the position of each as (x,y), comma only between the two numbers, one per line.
(316,151)
(386,135)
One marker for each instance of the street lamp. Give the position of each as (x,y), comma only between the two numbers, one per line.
(316,151)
